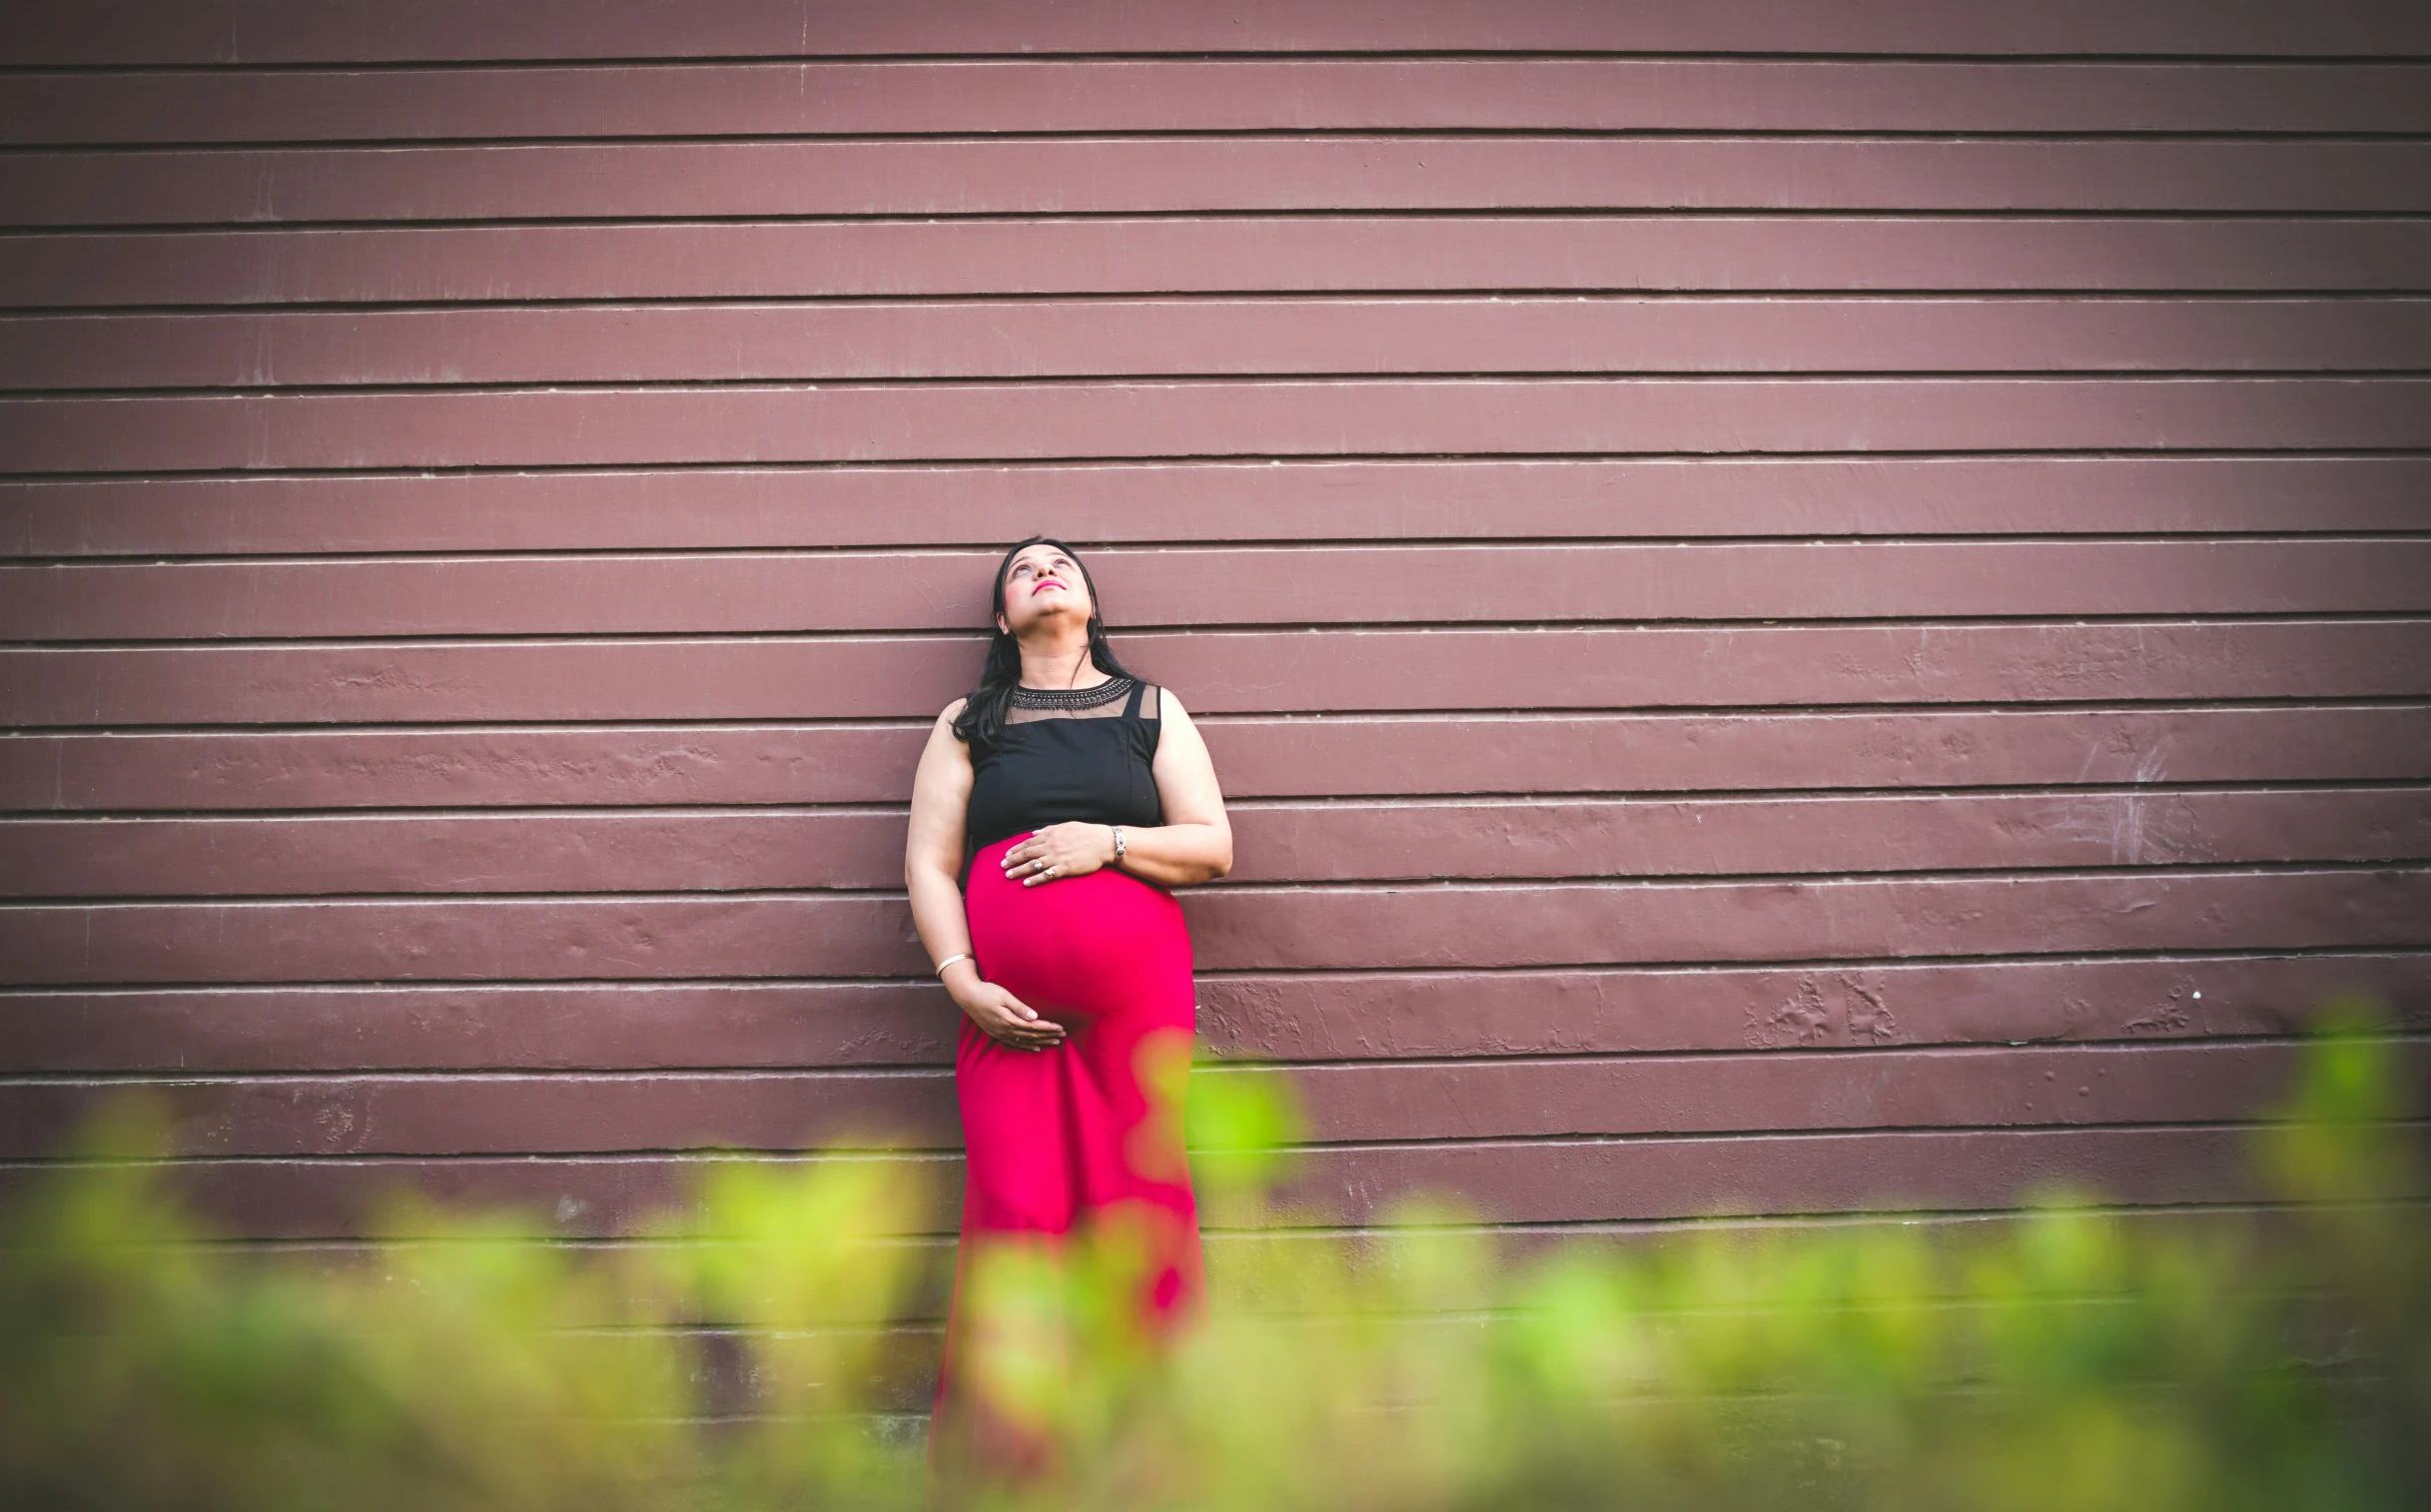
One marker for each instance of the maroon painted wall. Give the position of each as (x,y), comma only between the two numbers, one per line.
(1803,607)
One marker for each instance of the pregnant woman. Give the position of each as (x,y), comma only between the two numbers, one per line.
(1052,808)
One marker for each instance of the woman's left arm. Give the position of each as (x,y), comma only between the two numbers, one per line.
(1195,844)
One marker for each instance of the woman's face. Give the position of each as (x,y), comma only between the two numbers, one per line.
(1043,582)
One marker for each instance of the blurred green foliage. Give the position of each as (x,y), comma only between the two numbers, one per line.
(767,1346)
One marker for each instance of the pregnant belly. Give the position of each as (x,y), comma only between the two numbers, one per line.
(1100,942)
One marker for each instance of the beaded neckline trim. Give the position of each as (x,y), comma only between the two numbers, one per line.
(1072,698)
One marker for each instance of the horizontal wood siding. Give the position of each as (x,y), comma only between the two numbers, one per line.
(1805,610)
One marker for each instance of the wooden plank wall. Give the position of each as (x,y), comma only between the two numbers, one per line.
(1804,607)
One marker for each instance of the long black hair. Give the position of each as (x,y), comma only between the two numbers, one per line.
(982,719)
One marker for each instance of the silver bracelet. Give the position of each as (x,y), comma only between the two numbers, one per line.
(949,961)
(1118,845)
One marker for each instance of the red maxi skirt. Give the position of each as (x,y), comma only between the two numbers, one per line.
(1081,1139)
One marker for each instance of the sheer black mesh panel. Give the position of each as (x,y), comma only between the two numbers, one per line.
(1105,700)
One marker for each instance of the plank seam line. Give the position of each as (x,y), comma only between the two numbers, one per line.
(2242,703)
(413,987)
(942,1155)
(1282,804)
(980,551)
(205,645)
(605,62)
(542,986)
(1215,461)
(1692,1222)
(1245,466)
(2120,1049)
(2394,867)
(247,306)
(939,1067)
(940,1240)
(23,230)
(1578,378)
(1817,377)
(2266,63)
(1567,296)
(1278,134)
(2245,703)
(1183,547)
(172,475)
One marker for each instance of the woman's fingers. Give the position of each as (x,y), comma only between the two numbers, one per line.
(1022,1026)
(1054,853)
(1040,1028)
(1051,847)
(1026,1036)
(1009,1019)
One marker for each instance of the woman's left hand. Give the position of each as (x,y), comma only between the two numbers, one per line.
(1070,849)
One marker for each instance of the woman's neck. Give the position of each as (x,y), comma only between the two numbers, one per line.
(1065,666)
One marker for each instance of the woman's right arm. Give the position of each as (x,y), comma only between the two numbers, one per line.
(941,797)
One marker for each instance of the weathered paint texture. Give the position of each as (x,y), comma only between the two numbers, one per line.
(1804,607)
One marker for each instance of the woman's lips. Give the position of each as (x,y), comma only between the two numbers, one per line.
(1042,585)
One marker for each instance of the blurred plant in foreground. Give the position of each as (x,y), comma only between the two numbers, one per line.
(765,1346)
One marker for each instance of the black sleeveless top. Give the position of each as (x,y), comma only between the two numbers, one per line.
(1084,759)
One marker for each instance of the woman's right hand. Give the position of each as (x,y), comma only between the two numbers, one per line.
(998,1013)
